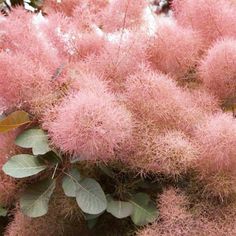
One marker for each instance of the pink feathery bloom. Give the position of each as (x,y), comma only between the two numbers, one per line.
(81,79)
(213,19)
(71,38)
(216,164)
(90,126)
(89,12)
(174,49)
(170,153)
(22,82)
(218,69)
(88,44)
(156,97)
(74,8)
(203,99)
(118,60)
(175,154)
(21,35)
(178,220)
(173,213)
(61,32)
(175,220)
(123,14)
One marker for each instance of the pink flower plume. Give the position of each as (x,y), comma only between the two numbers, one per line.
(216,138)
(174,49)
(212,19)
(90,126)
(218,69)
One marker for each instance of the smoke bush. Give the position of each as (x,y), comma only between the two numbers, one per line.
(105,105)
(175,49)
(94,128)
(213,20)
(217,69)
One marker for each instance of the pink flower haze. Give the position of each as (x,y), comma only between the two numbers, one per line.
(20,34)
(156,97)
(175,220)
(218,69)
(71,38)
(90,126)
(212,19)
(171,153)
(123,14)
(216,164)
(208,102)
(23,83)
(119,60)
(178,219)
(150,95)
(175,154)
(174,49)
(81,79)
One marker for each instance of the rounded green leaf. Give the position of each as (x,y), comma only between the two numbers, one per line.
(119,209)
(35,139)
(34,201)
(144,211)
(70,183)
(90,197)
(23,165)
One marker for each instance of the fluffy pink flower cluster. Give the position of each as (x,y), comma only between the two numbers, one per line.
(95,125)
(216,163)
(211,19)
(109,80)
(218,68)
(178,218)
(167,55)
(105,89)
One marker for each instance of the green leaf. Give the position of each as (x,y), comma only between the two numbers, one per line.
(70,183)
(90,197)
(34,201)
(35,139)
(119,209)
(144,209)
(91,217)
(3,212)
(13,121)
(23,165)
